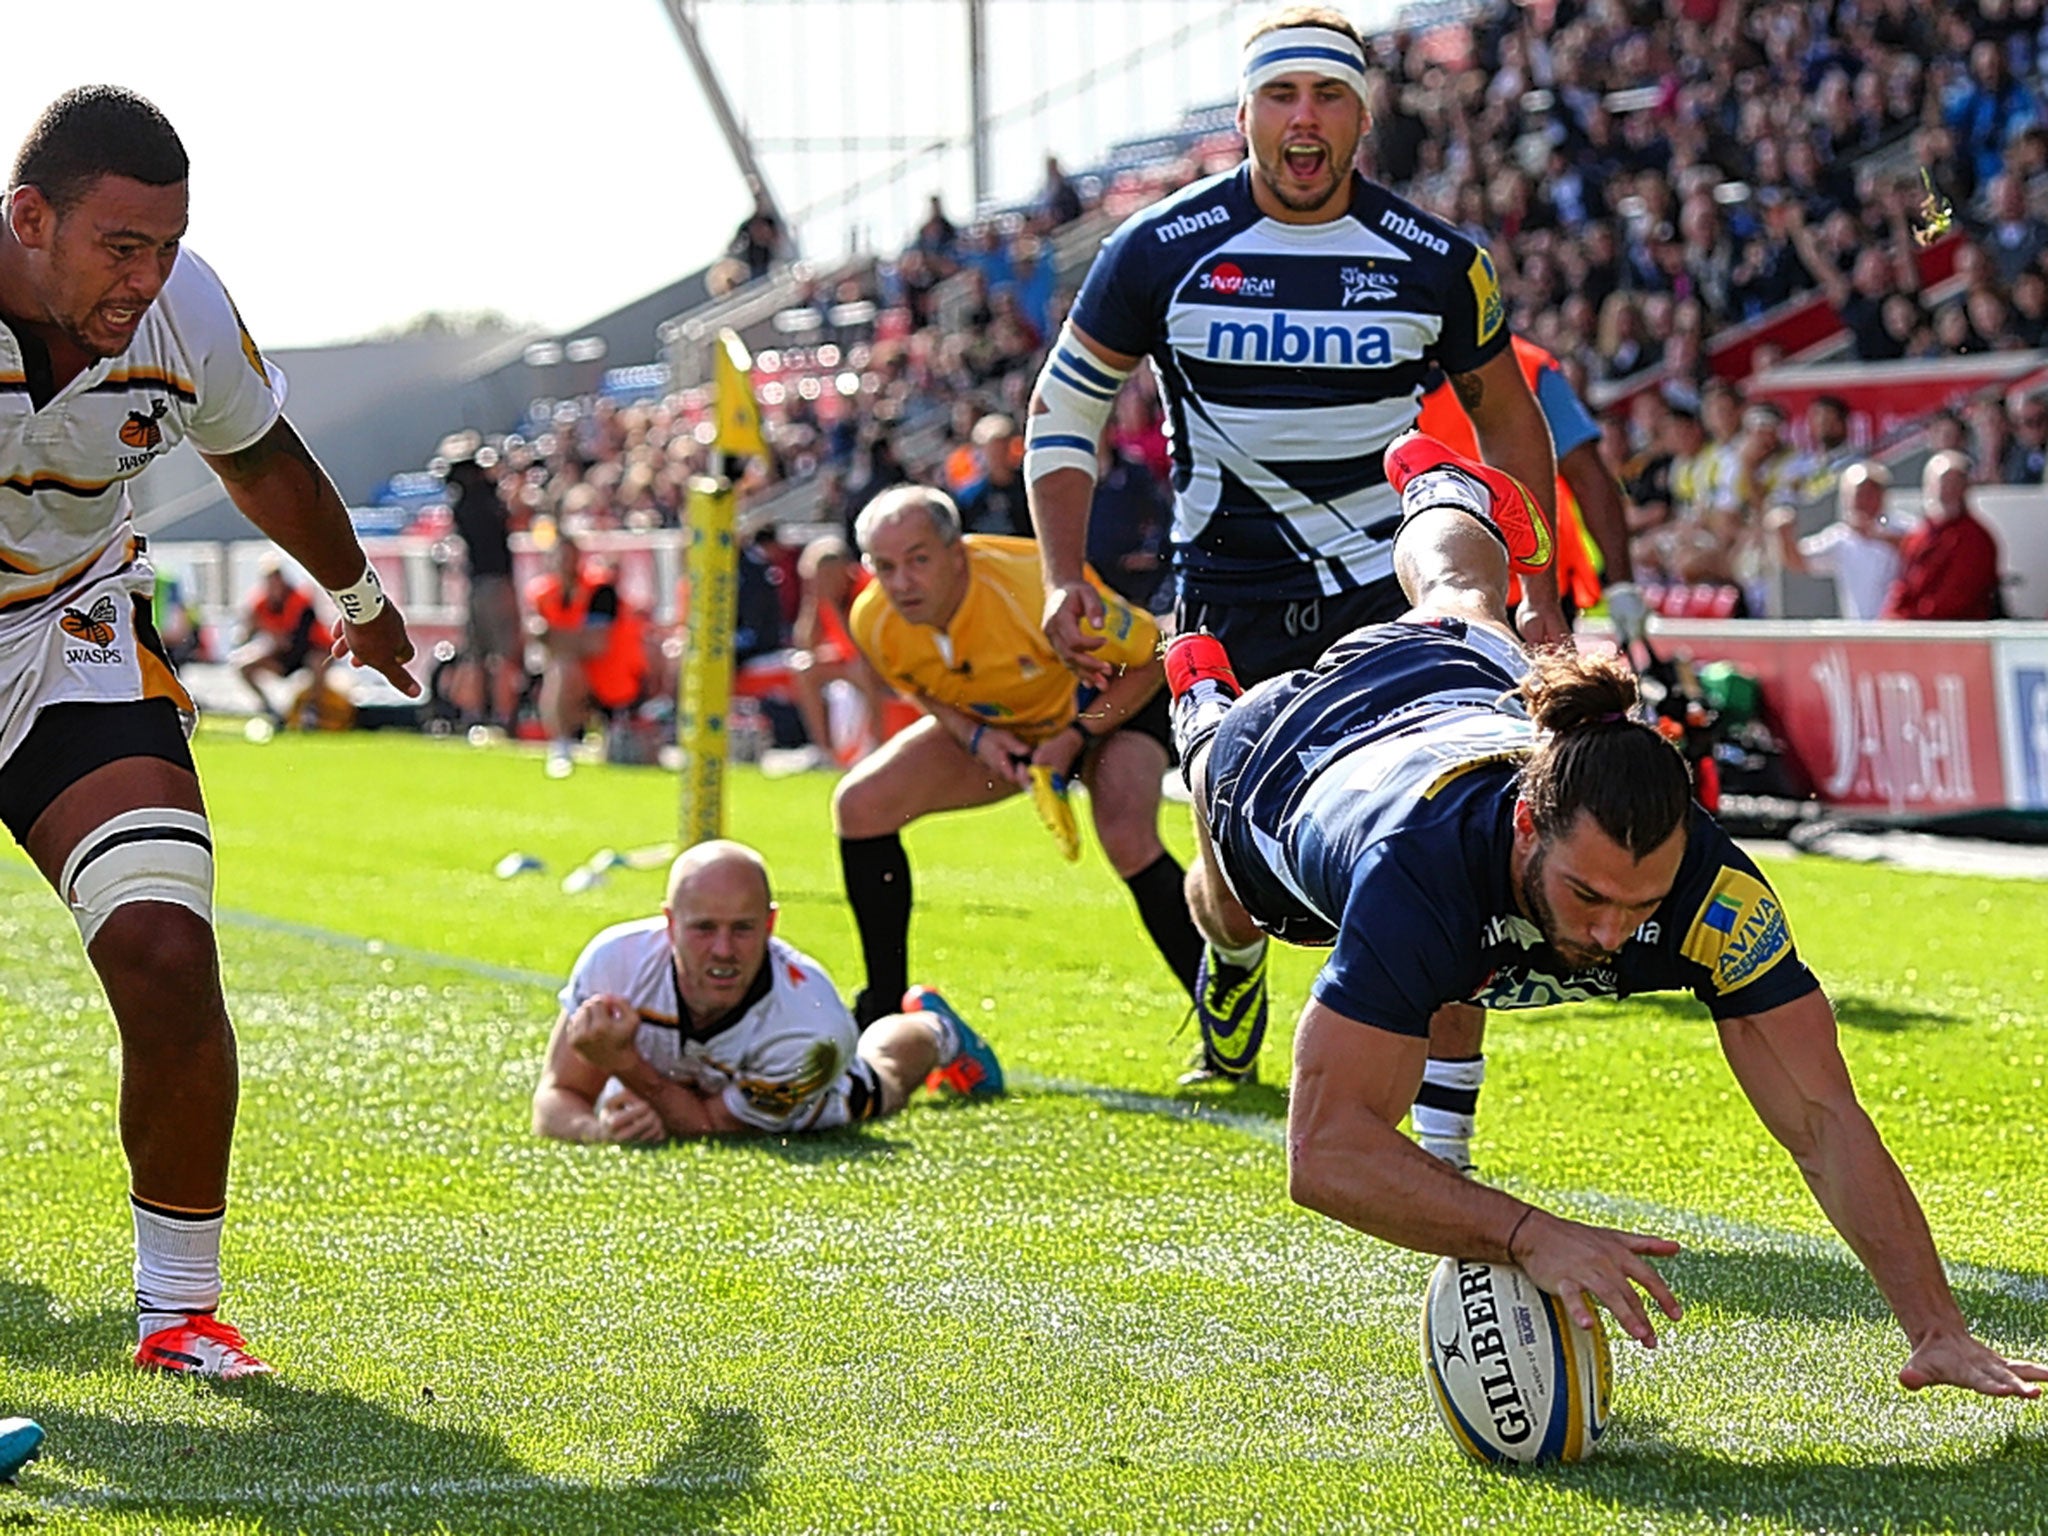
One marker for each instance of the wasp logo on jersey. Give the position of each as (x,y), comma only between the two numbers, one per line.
(1486,293)
(140,431)
(95,627)
(1740,931)
(822,1064)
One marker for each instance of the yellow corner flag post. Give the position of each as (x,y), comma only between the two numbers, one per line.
(712,572)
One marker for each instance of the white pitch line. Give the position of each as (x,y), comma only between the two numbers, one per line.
(402,1488)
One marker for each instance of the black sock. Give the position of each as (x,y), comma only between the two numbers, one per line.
(1162,902)
(877,875)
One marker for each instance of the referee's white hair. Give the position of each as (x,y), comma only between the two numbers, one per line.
(900,499)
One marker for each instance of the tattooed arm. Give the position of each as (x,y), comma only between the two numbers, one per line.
(281,488)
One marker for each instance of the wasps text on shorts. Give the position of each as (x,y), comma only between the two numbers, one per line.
(95,626)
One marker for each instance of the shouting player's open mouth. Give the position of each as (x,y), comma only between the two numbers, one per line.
(116,323)
(1305,161)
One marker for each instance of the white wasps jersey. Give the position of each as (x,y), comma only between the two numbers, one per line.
(1290,355)
(775,1066)
(191,371)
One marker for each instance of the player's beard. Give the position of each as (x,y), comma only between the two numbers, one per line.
(1336,169)
(99,348)
(1544,916)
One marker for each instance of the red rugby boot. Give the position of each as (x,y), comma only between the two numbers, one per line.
(1424,473)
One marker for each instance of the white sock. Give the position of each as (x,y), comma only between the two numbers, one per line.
(1195,715)
(1447,487)
(1244,959)
(1447,1108)
(949,1037)
(177,1264)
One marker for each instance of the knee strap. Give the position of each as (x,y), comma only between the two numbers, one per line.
(153,854)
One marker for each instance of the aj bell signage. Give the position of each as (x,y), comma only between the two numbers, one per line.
(1904,719)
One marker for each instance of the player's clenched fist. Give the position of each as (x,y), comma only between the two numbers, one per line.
(601,1032)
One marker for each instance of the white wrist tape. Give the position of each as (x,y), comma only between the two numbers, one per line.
(1078,390)
(362,602)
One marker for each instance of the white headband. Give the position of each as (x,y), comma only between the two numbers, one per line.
(1315,50)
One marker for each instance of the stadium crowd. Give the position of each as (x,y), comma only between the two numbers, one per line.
(1646,177)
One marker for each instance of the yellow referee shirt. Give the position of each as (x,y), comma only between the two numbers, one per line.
(993,660)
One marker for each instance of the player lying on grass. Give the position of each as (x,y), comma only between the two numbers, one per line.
(1461,824)
(700,1021)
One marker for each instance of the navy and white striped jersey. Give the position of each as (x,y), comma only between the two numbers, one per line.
(1372,808)
(1290,355)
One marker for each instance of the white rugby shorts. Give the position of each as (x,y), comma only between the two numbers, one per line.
(79,646)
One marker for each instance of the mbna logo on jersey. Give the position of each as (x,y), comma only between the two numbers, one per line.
(1275,337)
(1228,278)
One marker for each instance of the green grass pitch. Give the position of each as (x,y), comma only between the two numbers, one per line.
(1089,1307)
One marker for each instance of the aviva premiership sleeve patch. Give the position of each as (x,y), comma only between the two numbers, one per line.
(1492,310)
(1740,931)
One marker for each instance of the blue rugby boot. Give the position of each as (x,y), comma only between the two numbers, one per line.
(972,1071)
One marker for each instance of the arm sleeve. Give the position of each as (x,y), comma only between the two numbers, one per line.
(587,978)
(1116,305)
(1475,314)
(1819,549)
(1397,958)
(240,393)
(1571,424)
(864,627)
(1737,944)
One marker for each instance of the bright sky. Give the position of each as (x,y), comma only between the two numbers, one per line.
(355,165)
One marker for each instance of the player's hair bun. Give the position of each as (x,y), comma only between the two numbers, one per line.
(1567,691)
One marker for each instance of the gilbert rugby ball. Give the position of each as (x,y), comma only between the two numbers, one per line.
(1515,1379)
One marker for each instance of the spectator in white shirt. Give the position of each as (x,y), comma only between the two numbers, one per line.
(1859,550)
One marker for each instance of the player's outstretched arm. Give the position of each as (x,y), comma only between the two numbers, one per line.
(1070,406)
(1514,435)
(1345,1158)
(281,488)
(1789,1063)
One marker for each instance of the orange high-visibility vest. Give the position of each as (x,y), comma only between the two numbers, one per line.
(1578,576)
